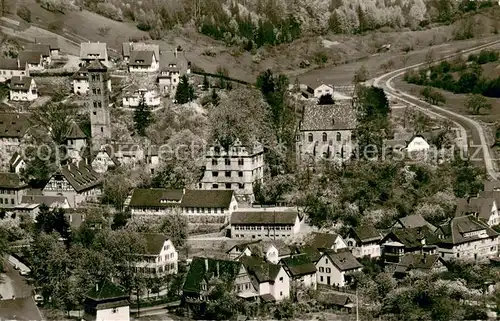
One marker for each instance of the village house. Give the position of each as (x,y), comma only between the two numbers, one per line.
(27,209)
(50,201)
(337,301)
(17,163)
(168,79)
(421,262)
(44,50)
(75,140)
(325,241)
(467,238)
(301,270)
(81,80)
(143,61)
(400,241)
(336,268)
(32,59)
(10,68)
(326,131)
(273,223)
(483,208)
(12,189)
(53,44)
(106,302)
(152,158)
(128,49)
(89,51)
(417,144)
(133,95)
(338,93)
(160,257)
(23,88)
(104,160)
(158,201)
(236,169)
(413,221)
(270,281)
(364,241)
(77,182)
(13,127)
(205,273)
(270,250)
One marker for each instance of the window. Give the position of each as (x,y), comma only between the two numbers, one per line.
(94,91)
(115,310)
(326,261)
(102,130)
(228,185)
(339,137)
(241,186)
(95,113)
(214,162)
(281,293)
(321,278)
(281,279)
(215,174)
(12,201)
(310,137)
(240,174)
(240,161)
(227,161)
(325,137)
(215,186)
(322,269)
(228,174)
(328,270)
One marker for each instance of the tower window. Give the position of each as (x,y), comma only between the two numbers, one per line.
(325,137)
(310,137)
(339,137)
(102,129)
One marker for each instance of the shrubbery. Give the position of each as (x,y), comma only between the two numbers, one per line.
(24,13)
(108,10)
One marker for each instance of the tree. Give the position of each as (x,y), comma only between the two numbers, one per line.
(361,75)
(116,187)
(185,92)
(24,13)
(326,100)
(142,117)
(175,225)
(54,119)
(206,84)
(475,103)
(52,220)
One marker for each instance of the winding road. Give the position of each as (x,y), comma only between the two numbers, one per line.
(477,148)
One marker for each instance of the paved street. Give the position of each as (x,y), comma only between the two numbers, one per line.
(14,283)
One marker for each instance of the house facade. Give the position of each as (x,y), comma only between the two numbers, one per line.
(106,302)
(53,44)
(325,241)
(77,182)
(90,51)
(168,79)
(76,141)
(13,127)
(336,268)
(467,238)
(483,207)
(160,257)
(326,131)
(33,60)
(104,161)
(422,262)
(23,88)
(128,49)
(132,97)
(418,144)
(301,270)
(17,163)
(44,50)
(236,169)
(401,241)
(265,223)
(272,251)
(12,189)
(271,281)
(12,68)
(143,61)
(364,241)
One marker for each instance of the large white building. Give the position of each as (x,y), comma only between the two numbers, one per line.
(262,223)
(23,88)
(336,268)
(160,257)
(237,168)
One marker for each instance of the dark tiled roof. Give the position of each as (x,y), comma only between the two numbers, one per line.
(299,264)
(154,242)
(75,132)
(337,299)
(19,309)
(261,270)
(417,261)
(10,64)
(492,185)
(207,198)
(13,125)
(20,82)
(322,240)
(11,181)
(313,253)
(53,42)
(340,116)
(412,237)
(141,58)
(152,197)
(106,291)
(41,48)
(30,57)
(264,217)
(366,233)
(40,199)
(228,270)
(415,220)
(81,74)
(81,176)
(455,230)
(343,260)
(480,205)
(96,65)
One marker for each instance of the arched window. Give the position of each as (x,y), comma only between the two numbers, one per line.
(310,137)
(325,137)
(339,137)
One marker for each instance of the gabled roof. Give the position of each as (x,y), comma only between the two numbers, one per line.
(10,64)
(343,260)
(454,232)
(322,240)
(480,205)
(41,48)
(11,181)
(313,253)
(259,269)
(87,49)
(207,198)
(81,74)
(337,299)
(13,125)
(341,116)
(198,273)
(96,65)
(159,197)
(152,197)
(417,261)
(154,242)
(81,176)
(15,160)
(75,132)
(259,247)
(141,58)
(415,220)
(53,42)
(413,237)
(20,82)
(105,290)
(299,264)
(19,309)
(30,57)
(264,217)
(366,233)
(128,47)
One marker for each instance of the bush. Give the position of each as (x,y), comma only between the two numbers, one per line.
(56,25)
(24,13)
(108,10)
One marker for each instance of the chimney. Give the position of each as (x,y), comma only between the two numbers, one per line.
(206,264)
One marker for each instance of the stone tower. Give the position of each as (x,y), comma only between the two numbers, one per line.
(98,100)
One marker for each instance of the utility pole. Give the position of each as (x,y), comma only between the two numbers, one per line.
(357,304)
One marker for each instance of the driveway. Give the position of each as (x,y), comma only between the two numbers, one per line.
(14,283)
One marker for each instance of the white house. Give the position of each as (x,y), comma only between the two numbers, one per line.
(89,51)
(417,144)
(467,238)
(168,79)
(23,88)
(482,207)
(143,61)
(272,251)
(262,223)
(12,189)
(129,47)
(152,158)
(43,49)
(363,241)
(323,90)
(160,257)
(301,270)
(133,95)
(336,268)
(325,241)
(270,280)
(10,68)
(106,302)
(104,160)
(17,163)
(32,59)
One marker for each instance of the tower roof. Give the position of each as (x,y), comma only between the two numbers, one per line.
(96,65)
(75,132)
